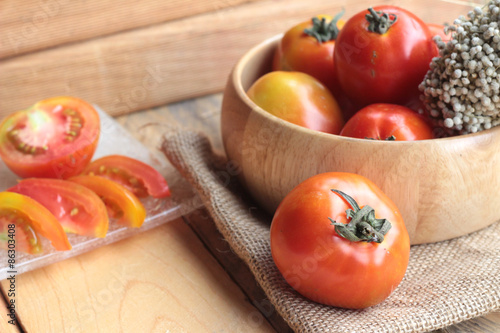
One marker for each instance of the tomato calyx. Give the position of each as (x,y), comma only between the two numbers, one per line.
(363,225)
(380,22)
(323,31)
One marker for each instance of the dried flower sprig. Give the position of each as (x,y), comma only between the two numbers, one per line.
(461,90)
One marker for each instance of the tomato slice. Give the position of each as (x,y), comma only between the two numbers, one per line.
(140,178)
(55,138)
(30,219)
(77,208)
(121,203)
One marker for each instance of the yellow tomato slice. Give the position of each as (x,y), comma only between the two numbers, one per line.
(30,219)
(121,203)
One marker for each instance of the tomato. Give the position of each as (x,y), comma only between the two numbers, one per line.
(387,121)
(27,219)
(297,98)
(122,204)
(77,208)
(308,47)
(385,66)
(324,244)
(54,138)
(140,178)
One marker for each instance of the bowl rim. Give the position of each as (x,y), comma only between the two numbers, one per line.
(240,91)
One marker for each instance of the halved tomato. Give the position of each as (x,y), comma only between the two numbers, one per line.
(27,219)
(55,138)
(121,203)
(77,208)
(140,178)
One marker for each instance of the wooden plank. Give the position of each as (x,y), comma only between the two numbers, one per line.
(153,66)
(204,226)
(32,25)
(159,281)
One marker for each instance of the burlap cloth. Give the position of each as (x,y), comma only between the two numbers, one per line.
(446,282)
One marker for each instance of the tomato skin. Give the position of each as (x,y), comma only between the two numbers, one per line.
(125,206)
(78,209)
(323,266)
(62,133)
(383,68)
(298,98)
(300,52)
(381,121)
(35,219)
(140,178)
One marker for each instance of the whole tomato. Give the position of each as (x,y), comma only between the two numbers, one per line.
(298,98)
(308,47)
(387,122)
(382,55)
(339,240)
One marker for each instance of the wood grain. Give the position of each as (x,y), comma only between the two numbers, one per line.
(161,280)
(204,227)
(33,25)
(171,61)
(151,66)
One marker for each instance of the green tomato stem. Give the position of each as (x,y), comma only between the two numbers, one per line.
(380,22)
(323,31)
(363,225)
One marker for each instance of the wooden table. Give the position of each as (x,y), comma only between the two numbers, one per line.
(179,277)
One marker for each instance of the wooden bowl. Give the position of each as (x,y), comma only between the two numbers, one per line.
(444,188)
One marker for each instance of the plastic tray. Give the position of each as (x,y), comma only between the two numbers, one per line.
(114,139)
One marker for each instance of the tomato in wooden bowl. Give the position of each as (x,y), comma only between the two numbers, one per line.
(443,187)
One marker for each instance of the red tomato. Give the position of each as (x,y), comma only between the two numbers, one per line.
(308,47)
(298,98)
(140,178)
(122,204)
(55,138)
(26,219)
(77,208)
(387,121)
(310,250)
(384,67)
